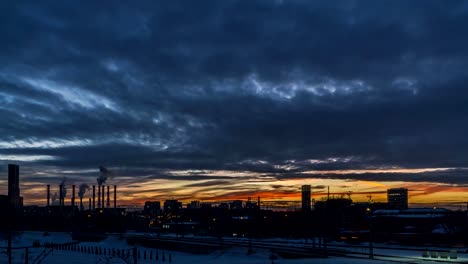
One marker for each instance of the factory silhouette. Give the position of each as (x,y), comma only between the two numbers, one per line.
(332,218)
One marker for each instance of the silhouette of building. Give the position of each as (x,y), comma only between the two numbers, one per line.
(193,205)
(152,208)
(172,206)
(209,205)
(252,204)
(397,198)
(4,202)
(235,205)
(16,201)
(306,191)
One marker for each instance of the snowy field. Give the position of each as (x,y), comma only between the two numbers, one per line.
(231,256)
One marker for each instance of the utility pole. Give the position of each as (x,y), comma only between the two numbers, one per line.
(466,237)
(371,237)
(10,227)
(135,259)
(26,256)
(9,247)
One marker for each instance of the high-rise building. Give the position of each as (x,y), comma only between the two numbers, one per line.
(172,206)
(306,192)
(13,186)
(397,198)
(13,180)
(152,208)
(251,204)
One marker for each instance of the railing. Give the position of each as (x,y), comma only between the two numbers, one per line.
(129,255)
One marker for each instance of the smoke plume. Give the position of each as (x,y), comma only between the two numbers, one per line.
(83,188)
(54,199)
(64,188)
(105,173)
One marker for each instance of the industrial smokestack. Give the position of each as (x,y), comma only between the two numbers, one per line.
(99,197)
(48,196)
(258,202)
(73,197)
(101,180)
(94,197)
(108,196)
(89,204)
(63,192)
(83,188)
(61,195)
(115,196)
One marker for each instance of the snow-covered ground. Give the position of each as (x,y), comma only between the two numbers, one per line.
(231,256)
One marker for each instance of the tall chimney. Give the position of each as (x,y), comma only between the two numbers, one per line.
(90,203)
(115,196)
(81,203)
(73,197)
(108,196)
(103,194)
(94,197)
(99,197)
(48,196)
(258,202)
(61,195)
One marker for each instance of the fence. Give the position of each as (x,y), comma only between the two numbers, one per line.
(38,253)
(129,255)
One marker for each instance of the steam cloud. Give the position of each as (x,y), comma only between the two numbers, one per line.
(54,199)
(64,188)
(83,188)
(105,173)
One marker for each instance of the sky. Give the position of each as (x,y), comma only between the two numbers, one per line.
(222,100)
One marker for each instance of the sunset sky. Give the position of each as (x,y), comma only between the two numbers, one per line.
(222,100)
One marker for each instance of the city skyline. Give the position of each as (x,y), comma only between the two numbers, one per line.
(237,99)
(289,200)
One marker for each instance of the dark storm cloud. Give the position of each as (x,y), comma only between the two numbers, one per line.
(452,176)
(262,86)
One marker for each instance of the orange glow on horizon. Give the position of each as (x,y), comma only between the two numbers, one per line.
(241,185)
(419,193)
